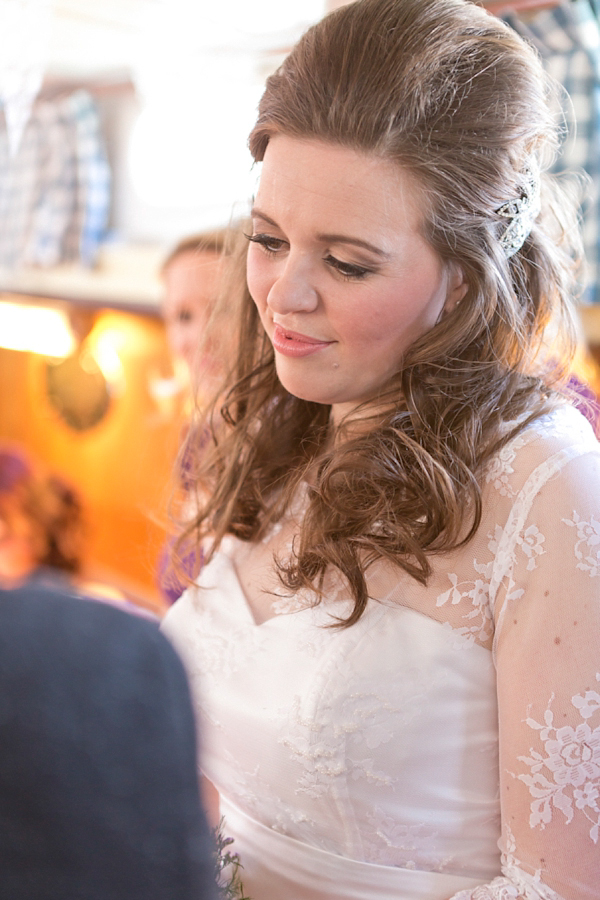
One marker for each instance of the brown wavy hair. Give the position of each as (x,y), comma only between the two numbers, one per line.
(458,99)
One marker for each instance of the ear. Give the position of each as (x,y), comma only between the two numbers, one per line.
(457,287)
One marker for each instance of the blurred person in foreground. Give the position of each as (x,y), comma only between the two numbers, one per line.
(99,795)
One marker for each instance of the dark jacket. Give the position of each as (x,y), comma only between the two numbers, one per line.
(98,786)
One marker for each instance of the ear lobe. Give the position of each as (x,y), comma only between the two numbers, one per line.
(457,287)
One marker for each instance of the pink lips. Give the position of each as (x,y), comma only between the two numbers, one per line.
(290,343)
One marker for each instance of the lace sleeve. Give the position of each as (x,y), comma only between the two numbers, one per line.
(548,670)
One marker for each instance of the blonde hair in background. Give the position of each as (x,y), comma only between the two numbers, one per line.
(214,241)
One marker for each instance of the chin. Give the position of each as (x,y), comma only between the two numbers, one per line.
(310,396)
(315,389)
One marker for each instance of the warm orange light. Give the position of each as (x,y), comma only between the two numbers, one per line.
(105,346)
(35,329)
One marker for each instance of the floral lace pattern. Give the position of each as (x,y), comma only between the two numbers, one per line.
(519,886)
(498,889)
(403,845)
(321,749)
(525,885)
(569,768)
(501,467)
(587,548)
(224,656)
(531,541)
(477,595)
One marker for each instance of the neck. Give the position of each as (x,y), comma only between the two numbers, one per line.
(348,421)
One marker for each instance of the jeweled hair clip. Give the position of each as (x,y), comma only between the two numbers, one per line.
(522,212)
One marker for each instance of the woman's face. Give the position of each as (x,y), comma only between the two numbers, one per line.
(343,279)
(191,287)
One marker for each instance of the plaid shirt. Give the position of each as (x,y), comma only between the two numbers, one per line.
(55,192)
(568,40)
(93,181)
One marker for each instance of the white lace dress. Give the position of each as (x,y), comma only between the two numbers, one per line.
(448,744)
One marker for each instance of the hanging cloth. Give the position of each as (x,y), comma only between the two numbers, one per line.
(89,223)
(55,192)
(568,40)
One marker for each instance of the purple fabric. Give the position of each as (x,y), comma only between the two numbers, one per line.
(170,585)
(14,467)
(586,401)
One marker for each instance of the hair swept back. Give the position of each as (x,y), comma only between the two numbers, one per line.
(458,99)
(217,240)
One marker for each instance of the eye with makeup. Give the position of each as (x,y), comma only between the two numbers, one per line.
(348,271)
(269,244)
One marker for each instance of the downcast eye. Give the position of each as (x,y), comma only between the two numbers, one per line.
(267,242)
(347,270)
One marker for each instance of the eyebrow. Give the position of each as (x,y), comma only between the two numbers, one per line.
(327,238)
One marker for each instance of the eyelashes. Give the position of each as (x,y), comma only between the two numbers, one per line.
(348,271)
(269,244)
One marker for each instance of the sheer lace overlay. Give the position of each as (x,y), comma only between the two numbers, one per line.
(453,734)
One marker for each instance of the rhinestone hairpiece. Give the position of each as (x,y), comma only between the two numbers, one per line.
(522,212)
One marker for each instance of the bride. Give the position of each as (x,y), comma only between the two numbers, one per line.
(394,639)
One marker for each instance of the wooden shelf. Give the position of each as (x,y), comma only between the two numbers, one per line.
(124,278)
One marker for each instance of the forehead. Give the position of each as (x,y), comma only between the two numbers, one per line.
(191,278)
(331,185)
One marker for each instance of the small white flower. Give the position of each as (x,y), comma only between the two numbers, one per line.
(531,544)
(574,757)
(587,548)
(587,797)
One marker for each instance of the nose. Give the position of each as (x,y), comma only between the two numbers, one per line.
(293,290)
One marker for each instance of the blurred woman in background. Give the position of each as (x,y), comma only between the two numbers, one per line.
(43,532)
(41,523)
(192,275)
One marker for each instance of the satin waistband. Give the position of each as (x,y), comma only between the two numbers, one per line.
(277,867)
